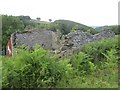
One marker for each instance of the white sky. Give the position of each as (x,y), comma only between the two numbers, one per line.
(88,12)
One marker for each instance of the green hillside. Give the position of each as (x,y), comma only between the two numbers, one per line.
(71,25)
(113,28)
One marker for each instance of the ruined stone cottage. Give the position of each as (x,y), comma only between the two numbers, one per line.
(45,38)
(48,40)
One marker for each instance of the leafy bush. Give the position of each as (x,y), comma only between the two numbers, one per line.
(36,69)
(82,63)
(90,75)
(96,49)
(10,24)
(111,59)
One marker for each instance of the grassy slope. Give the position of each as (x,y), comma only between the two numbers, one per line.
(72,23)
(42,22)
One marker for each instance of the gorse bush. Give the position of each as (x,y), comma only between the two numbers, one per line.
(38,68)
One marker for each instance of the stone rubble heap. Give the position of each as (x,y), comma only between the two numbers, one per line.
(75,40)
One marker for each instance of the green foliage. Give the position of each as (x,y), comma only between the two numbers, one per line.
(29,23)
(114,28)
(10,24)
(39,69)
(96,49)
(95,66)
(100,75)
(24,17)
(67,26)
(82,63)
(111,59)
(35,69)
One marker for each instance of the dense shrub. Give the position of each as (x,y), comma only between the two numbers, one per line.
(35,69)
(82,63)
(39,69)
(96,49)
(10,24)
(91,75)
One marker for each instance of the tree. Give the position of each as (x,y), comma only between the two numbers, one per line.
(10,24)
(50,20)
(64,29)
(38,18)
(115,29)
(24,17)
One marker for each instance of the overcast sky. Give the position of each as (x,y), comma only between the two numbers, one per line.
(88,12)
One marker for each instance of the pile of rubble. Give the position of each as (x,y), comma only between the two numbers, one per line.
(75,40)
